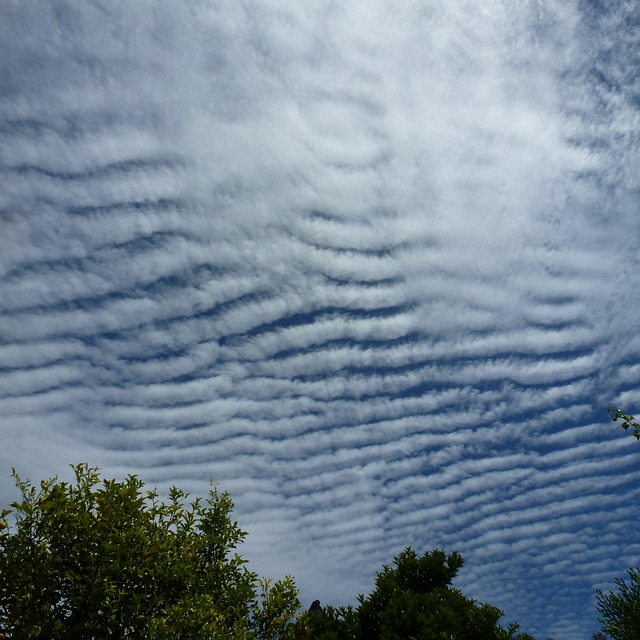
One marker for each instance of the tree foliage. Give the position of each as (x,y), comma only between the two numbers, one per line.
(620,610)
(627,421)
(413,599)
(96,560)
(108,559)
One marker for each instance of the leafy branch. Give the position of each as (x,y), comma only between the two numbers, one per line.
(627,421)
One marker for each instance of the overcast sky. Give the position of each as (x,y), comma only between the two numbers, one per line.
(370,264)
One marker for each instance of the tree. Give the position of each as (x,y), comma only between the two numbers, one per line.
(620,610)
(413,599)
(96,560)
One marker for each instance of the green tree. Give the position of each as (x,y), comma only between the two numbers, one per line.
(98,560)
(620,610)
(413,599)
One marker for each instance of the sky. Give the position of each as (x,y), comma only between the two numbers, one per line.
(370,265)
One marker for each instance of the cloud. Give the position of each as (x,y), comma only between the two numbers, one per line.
(370,267)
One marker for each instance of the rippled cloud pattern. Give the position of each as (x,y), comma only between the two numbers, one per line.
(373,266)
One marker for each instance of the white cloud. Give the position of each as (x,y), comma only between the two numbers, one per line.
(371,267)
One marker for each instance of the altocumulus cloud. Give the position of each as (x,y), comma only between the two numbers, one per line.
(371,266)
